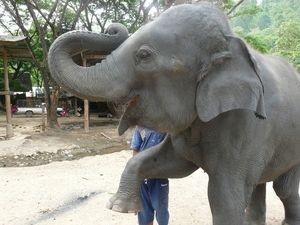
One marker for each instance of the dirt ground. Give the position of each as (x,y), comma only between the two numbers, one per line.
(66,177)
(69,143)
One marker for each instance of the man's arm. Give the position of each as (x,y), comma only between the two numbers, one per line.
(134,152)
(136,141)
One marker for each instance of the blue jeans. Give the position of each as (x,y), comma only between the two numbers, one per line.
(155,197)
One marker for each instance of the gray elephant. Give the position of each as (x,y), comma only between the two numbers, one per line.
(228,109)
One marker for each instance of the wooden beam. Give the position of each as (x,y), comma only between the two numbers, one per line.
(6,92)
(94,56)
(9,43)
(19,58)
(18,51)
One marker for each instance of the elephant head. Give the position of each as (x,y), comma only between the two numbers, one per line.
(184,64)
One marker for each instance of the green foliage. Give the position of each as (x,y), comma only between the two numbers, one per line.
(288,42)
(14,85)
(264,21)
(247,11)
(228,4)
(283,30)
(256,42)
(276,29)
(122,11)
(18,70)
(245,15)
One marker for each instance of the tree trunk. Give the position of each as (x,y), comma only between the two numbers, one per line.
(52,115)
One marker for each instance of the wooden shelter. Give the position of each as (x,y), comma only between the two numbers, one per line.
(12,48)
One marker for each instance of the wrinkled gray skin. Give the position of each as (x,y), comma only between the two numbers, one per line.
(228,109)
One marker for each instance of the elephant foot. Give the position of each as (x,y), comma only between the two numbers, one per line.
(124,204)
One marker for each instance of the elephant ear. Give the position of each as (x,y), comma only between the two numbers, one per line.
(232,83)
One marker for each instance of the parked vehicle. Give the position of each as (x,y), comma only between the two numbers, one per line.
(14,109)
(63,112)
(30,111)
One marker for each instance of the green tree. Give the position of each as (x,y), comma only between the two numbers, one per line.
(276,28)
(14,85)
(256,42)
(40,16)
(43,21)
(277,12)
(288,42)
(264,21)
(245,16)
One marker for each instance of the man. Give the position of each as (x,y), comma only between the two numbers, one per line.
(154,192)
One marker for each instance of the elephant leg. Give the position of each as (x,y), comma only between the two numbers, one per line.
(228,196)
(287,189)
(256,209)
(160,161)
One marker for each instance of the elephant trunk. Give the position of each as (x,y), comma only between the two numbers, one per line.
(93,83)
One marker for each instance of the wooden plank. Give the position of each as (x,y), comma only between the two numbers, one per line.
(86,116)
(6,92)
(12,43)
(94,56)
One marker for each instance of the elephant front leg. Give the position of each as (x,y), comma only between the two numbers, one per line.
(256,209)
(228,196)
(160,161)
(287,189)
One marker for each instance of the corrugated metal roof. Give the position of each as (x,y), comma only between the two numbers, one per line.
(16,48)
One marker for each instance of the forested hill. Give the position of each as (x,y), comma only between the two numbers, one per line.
(273,28)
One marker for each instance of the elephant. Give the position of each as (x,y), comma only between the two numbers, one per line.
(226,108)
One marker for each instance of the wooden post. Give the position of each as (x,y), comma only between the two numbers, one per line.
(43,117)
(86,107)
(9,128)
(76,105)
(86,116)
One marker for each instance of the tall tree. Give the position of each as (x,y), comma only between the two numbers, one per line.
(278,26)
(43,21)
(41,16)
(245,16)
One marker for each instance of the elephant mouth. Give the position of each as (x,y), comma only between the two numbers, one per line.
(132,101)
(131,115)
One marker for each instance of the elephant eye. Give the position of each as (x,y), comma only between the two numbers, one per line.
(143,54)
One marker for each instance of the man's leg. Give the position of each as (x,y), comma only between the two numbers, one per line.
(159,194)
(146,215)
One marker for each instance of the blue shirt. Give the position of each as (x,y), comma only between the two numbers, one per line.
(144,138)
